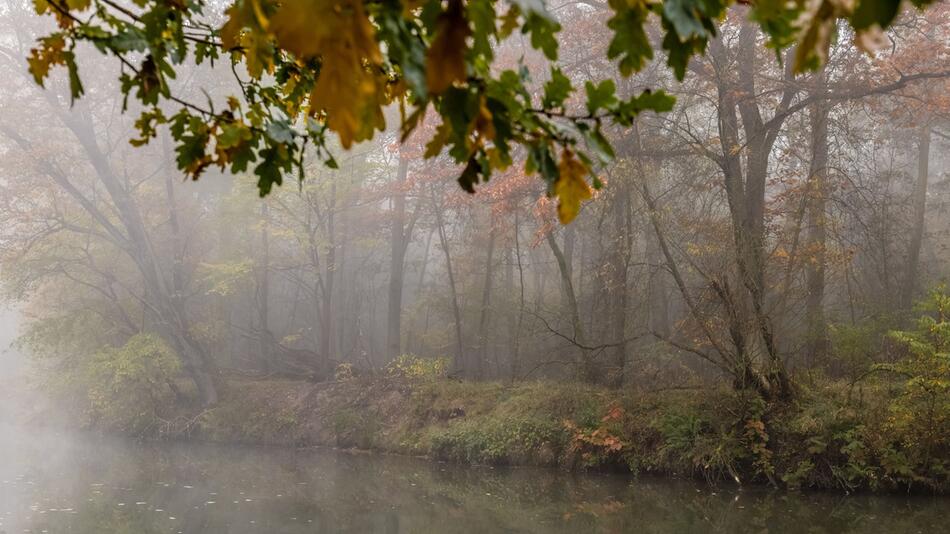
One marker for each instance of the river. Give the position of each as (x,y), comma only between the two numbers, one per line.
(54,482)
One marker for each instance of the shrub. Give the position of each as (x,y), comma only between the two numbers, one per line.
(920,414)
(343,372)
(415,368)
(602,444)
(130,385)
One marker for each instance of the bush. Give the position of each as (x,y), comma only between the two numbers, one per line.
(415,368)
(920,414)
(130,385)
(856,347)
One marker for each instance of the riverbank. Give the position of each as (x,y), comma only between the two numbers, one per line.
(834,436)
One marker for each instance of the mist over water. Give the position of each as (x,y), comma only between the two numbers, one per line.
(79,482)
(752,287)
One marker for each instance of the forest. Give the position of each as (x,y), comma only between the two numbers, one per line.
(557,240)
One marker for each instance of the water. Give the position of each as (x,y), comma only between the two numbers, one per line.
(80,483)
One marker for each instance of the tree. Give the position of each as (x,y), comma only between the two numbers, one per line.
(319,66)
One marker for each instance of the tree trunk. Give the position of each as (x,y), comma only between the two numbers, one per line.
(411,337)
(816,192)
(587,371)
(460,360)
(266,339)
(911,281)
(170,316)
(326,323)
(745,193)
(619,259)
(484,314)
(515,356)
(397,259)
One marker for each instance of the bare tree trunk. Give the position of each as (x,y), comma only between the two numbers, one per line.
(486,304)
(397,260)
(816,194)
(460,360)
(587,371)
(170,316)
(745,193)
(326,323)
(619,259)
(515,356)
(411,343)
(266,338)
(911,281)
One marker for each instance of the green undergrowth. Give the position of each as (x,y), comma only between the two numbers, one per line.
(833,436)
(888,431)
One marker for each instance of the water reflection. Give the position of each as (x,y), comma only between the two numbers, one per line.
(57,483)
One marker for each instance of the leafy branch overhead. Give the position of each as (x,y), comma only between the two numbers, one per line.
(318,67)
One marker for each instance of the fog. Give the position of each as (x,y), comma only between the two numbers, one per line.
(133,297)
(386,256)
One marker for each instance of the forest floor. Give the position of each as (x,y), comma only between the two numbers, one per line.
(834,436)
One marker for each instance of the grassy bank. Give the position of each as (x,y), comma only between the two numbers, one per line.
(834,436)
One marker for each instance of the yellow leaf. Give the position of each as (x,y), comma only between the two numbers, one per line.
(571,188)
(311,28)
(351,98)
(445,59)
(348,89)
(258,52)
(78,5)
(483,123)
(50,53)
(509,22)
(439,139)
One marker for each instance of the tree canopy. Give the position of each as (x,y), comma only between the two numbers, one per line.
(309,68)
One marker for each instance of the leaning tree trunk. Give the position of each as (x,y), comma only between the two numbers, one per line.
(588,372)
(171,319)
(461,366)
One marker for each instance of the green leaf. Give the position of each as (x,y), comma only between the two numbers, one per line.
(684,15)
(268,171)
(130,39)
(469,176)
(542,32)
(870,12)
(658,101)
(600,96)
(630,42)
(679,52)
(556,90)
(75,83)
(599,145)
(481,13)
(541,160)
(280,131)
(232,135)
(778,19)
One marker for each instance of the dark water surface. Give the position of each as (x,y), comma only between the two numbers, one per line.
(52,482)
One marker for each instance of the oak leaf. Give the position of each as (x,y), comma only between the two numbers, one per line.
(445,59)
(571,188)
